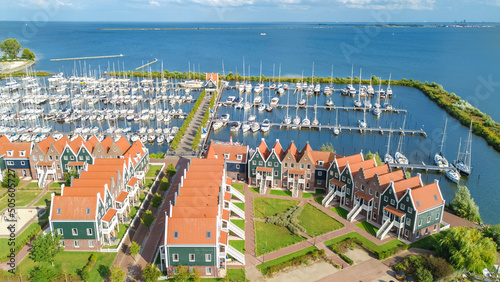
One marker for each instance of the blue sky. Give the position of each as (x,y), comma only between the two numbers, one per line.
(253,10)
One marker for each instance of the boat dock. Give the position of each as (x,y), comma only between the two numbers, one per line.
(333,107)
(86,58)
(320,127)
(422,166)
(150,63)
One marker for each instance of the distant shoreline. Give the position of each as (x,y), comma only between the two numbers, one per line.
(319,26)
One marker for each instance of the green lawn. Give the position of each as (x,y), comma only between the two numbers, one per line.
(238,245)
(340,211)
(149,182)
(23,198)
(319,200)
(4,247)
(314,220)
(238,186)
(255,190)
(44,200)
(236,274)
(240,223)
(32,185)
(263,267)
(368,228)
(153,170)
(372,247)
(72,263)
(429,242)
(56,184)
(264,207)
(133,211)
(309,195)
(272,238)
(240,205)
(281,193)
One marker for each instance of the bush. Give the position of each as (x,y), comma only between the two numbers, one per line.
(424,267)
(463,205)
(156,201)
(11,179)
(164,184)
(171,171)
(147,218)
(158,155)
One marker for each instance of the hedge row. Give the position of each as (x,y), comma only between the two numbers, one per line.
(23,239)
(85,272)
(382,253)
(197,137)
(187,121)
(303,259)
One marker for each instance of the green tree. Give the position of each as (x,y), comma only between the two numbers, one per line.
(44,272)
(134,248)
(156,201)
(11,179)
(463,205)
(466,247)
(171,170)
(11,47)
(27,54)
(328,147)
(182,274)
(151,273)
(164,184)
(493,232)
(45,247)
(148,218)
(117,274)
(67,176)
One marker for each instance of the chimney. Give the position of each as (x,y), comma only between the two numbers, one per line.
(231,140)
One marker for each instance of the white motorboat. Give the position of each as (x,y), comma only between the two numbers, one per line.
(453,174)
(235,126)
(265,126)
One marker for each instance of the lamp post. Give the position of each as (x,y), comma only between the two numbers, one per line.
(315,238)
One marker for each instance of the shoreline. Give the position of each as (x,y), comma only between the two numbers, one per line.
(11,69)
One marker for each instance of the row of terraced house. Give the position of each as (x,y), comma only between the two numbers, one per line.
(50,159)
(88,212)
(385,198)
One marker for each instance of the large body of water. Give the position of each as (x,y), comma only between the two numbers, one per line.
(463,60)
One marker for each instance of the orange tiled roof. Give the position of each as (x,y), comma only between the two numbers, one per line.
(191,230)
(73,208)
(336,182)
(227,196)
(76,144)
(16,147)
(109,215)
(123,195)
(61,143)
(45,163)
(278,150)
(199,192)
(263,149)
(194,212)
(123,144)
(106,143)
(4,138)
(342,162)
(365,164)
(363,195)
(326,157)
(370,172)
(295,171)
(132,181)
(229,181)
(84,192)
(219,150)
(196,202)
(76,163)
(394,176)
(394,211)
(91,143)
(223,237)
(293,151)
(45,144)
(266,169)
(225,214)
(426,197)
(410,183)
(307,148)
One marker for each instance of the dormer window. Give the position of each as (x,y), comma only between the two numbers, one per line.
(176,234)
(321,163)
(58,210)
(10,153)
(209,234)
(22,153)
(88,211)
(239,157)
(226,156)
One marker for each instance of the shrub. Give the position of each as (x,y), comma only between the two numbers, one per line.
(164,184)
(156,201)
(171,171)
(147,218)
(11,179)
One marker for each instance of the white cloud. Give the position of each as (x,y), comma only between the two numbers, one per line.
(223,3)
(154,3)
(390,4)
(60,3)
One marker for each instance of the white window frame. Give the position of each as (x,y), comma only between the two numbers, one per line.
(237,166)
(91,243)
(437,216)
(76,244)
(10,153)
(10,163)
(23,162)
(402,206)
(60,231)
(74,231)
(226,156)
(22,153)
(89,233)
(410,210)
(175,257)
(408,221)
(208,271)
(208,257)
(34,157)
(239,157)
(321,163)
(192,257)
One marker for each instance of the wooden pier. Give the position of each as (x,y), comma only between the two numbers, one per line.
(360,109)
(150,63)
(86,58)
(320,127)
(422,166)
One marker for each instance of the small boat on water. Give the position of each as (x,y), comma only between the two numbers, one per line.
(245,126)
(274,101)
(265,126)
(255,127)
(463,162)
(224,117)
(439,158)
(217,125)
(453,174)
(235,126)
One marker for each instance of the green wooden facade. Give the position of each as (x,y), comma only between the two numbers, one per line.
(183,253)
(67,156)
(81,227)
(274,161)
(255,161)
(85,156)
